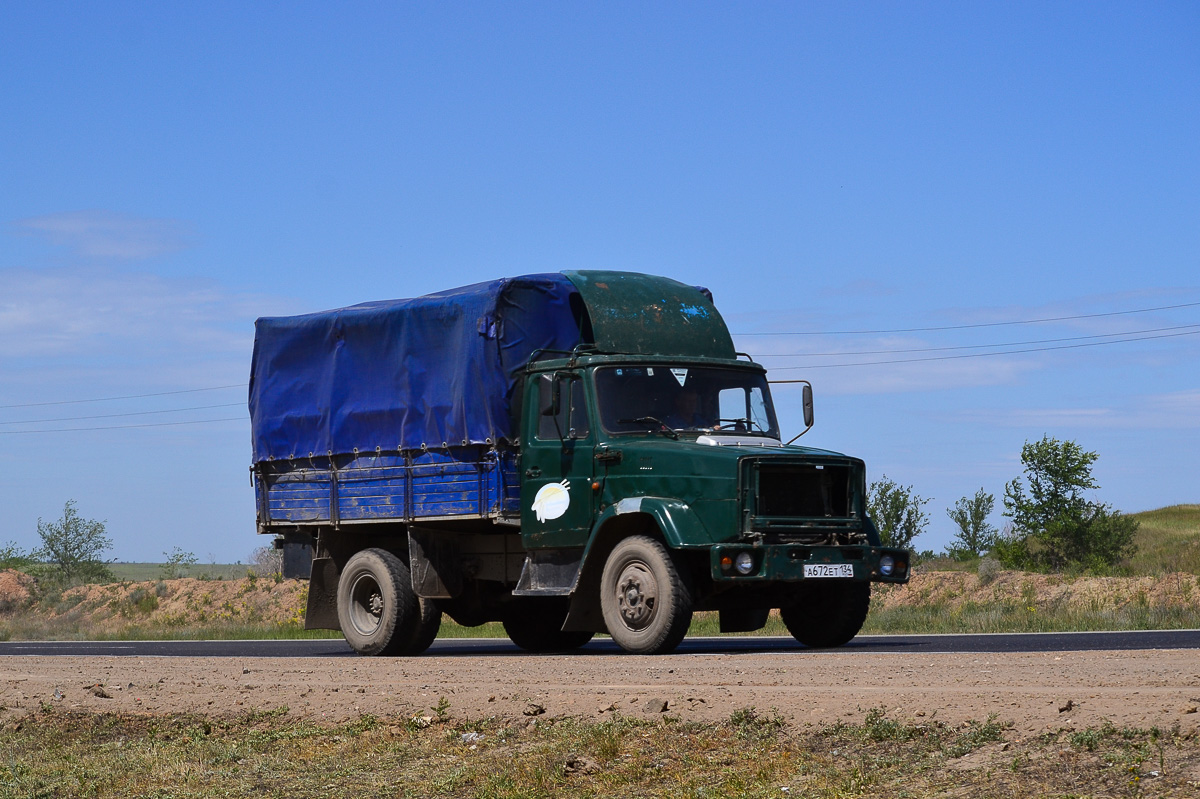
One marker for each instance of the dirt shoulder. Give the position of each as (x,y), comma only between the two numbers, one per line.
(1035,692)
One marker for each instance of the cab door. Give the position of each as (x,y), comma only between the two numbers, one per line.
(557,501)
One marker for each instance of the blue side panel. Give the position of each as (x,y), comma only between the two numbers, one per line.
(442,486)
(372,488)
(465,482)
(298,496)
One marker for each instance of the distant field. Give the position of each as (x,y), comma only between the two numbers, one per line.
(142,572)
(1168,540)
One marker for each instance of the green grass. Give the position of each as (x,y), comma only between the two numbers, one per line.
(144,572)
(1168,540)
(266,752)
(1020,618)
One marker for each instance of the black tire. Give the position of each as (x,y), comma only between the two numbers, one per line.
(429,621)
(535,625)
(645,599)
(377,609)
(828,615)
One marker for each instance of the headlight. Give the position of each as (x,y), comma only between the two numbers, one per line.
(887,564)
(744,563)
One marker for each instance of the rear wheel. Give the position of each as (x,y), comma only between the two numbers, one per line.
(429,621)
(377,609)
(829,615)
(535,625)
(645,599)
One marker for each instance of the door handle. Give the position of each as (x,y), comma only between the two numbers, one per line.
(608,456)
(533,472)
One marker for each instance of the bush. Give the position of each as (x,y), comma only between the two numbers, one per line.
(72,548)
(989,570)
(14,557)
(896,511)
(143,601)
(975,536)
(1055,526)
(267,562)
(179,564)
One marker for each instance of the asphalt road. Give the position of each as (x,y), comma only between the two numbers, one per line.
(450,647)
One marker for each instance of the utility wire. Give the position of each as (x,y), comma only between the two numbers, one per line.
(132,413)
(121,426)
(980,324)
(128,396)
(976,346)
(983,354)
(800,333)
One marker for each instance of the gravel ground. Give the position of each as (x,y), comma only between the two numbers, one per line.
(1035,692)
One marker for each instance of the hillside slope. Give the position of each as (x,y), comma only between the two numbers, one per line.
(1168,540)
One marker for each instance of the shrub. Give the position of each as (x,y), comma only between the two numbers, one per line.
(896,511)
(72,548)
(1056,526)
(989,570)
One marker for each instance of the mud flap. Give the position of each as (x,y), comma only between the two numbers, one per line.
(321,613)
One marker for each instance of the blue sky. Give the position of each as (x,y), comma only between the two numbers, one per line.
(171,171)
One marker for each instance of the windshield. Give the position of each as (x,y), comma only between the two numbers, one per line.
(639,399)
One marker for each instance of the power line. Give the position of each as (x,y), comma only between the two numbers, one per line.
(976,346)
(980,324)
(121,426)
(799,333)
(128,396)
(983,354)
(132,413)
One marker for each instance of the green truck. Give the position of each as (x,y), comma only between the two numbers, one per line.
(568,454)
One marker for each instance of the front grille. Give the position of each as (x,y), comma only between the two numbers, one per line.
(804,490)
(805,502)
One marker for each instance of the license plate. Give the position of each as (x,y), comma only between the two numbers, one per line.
(828,570)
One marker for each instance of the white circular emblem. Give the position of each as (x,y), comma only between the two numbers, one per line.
(552,500)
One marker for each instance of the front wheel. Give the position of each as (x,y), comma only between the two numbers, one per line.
(645,599)
(828,615)
(378,612)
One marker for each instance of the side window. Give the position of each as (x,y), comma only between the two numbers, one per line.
(580,427)
(548,426)
(758,410)
(572,418)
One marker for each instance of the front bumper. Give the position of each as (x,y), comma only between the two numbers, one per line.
(786,562)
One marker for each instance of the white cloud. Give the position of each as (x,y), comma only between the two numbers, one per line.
(1170,411)
(73,333)
(106,234)
(74,311)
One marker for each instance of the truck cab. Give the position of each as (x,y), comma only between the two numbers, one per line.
(684,458)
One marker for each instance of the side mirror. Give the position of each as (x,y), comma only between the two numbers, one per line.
(806,400)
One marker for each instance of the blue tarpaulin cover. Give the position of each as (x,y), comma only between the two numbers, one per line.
(399,374)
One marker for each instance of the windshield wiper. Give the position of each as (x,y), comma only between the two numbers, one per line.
(742,425)
(664,428)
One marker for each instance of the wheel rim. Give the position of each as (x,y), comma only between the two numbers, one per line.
(366,604)
(637,595)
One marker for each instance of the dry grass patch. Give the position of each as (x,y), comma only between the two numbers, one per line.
(266,753)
